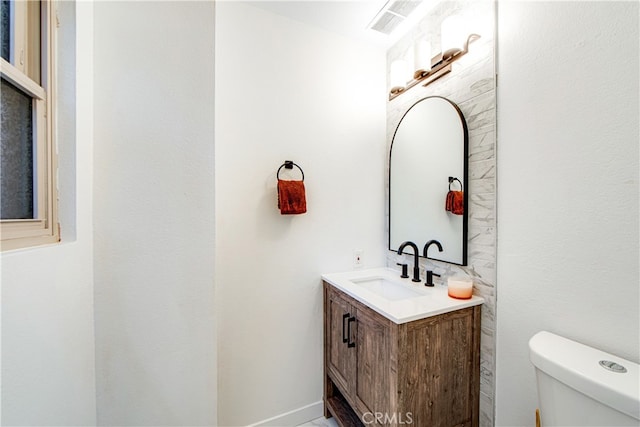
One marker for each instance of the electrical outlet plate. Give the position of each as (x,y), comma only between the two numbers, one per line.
(358,261)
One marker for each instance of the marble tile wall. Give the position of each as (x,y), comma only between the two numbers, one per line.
(472,86)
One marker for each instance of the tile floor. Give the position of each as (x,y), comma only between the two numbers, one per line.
(321,422)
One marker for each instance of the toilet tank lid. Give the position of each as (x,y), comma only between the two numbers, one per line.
(578,366)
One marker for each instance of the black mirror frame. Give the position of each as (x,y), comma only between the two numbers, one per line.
(465,220)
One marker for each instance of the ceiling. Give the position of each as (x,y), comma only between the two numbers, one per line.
(348,18)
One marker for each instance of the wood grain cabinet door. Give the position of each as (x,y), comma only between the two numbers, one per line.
(373,356)
(340,357)
(440,372)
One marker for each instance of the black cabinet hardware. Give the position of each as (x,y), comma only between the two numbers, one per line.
(345,338)
(350,344)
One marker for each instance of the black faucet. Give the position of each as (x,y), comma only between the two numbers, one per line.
(430,273)
(416,267)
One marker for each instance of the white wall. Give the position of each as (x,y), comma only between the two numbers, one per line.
(154,213)
(48,373)
(286,91)
(567,185)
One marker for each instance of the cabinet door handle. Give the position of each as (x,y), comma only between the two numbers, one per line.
(350,344)
(345,338)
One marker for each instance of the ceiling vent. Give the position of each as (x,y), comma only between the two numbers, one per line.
(392,14)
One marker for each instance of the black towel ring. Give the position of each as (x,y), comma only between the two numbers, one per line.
(453,178)
(288,164)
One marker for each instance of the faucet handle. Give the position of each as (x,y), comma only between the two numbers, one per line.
(405,267)
(430,275)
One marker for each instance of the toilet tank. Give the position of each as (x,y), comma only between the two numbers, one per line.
(581,386)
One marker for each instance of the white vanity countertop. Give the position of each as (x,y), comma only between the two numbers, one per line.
(428,301)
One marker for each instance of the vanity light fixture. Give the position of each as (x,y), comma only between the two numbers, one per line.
(422,57)
(398,72)
(454,47)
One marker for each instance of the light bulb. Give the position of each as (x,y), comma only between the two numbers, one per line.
(422,55)
(399,73)
(453,36)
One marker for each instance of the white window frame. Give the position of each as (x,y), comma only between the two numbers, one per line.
(44,228)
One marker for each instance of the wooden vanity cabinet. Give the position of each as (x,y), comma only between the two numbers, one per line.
(376,372)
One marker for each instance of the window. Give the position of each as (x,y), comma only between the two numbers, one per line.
(28,197)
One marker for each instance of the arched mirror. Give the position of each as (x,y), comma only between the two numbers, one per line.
(430,145)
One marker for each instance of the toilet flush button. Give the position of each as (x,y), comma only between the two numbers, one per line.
(613,366)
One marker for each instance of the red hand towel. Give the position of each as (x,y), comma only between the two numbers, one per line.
(291,197)
(455,202)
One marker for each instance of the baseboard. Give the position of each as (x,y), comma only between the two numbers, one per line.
(295,417)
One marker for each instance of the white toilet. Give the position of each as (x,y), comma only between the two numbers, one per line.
(582,386)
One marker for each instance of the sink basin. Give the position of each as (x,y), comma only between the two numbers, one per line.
(386,288)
